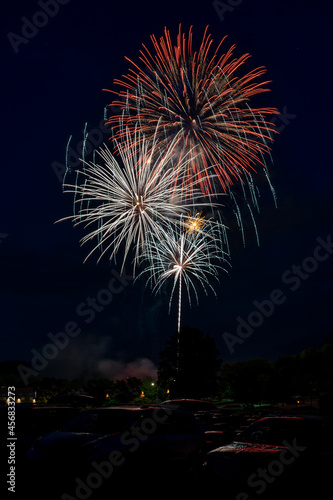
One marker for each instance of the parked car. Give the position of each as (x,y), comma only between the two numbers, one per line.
(31,421)
(117,443)
(272,454)
(216,438)
(191,405)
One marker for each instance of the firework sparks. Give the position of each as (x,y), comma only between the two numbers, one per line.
(194,222)
(127,203)
(198,98)
(188,259)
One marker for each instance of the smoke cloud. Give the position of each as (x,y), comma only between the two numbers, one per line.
(116,370)
(91,357)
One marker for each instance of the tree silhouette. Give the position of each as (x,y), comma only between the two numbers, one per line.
(195,373)
(246,381)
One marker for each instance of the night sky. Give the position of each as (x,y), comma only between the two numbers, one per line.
(52,86)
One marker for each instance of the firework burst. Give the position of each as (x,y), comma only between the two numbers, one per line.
(195,222)
(187,259)
(199,98)
(125,203)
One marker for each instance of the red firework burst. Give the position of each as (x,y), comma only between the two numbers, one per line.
(201,100)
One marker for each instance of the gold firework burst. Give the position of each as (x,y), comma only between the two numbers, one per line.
(195,222)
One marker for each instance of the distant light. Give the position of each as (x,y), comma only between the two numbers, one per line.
(18,400)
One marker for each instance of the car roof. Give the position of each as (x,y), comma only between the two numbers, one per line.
(293,417)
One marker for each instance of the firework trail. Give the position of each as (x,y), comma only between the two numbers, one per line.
(125,203)
(190,255)
(201,99)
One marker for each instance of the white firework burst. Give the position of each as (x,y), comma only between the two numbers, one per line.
(188,258)
(126,203)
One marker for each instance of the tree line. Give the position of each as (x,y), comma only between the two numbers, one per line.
(190,366)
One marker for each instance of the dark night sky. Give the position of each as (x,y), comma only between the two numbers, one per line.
(53,85)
